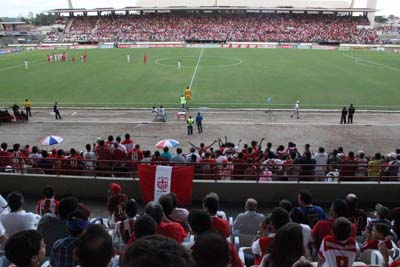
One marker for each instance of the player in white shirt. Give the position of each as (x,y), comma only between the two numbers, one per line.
(339,249)
(296,110)
(179,64)
(128,58)
(26,63)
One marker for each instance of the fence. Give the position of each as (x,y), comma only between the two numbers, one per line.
(208,170)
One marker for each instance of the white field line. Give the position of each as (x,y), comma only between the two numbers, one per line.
(23,65)
(357,60)
(195,69)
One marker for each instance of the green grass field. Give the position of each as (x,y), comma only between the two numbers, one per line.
(224,78)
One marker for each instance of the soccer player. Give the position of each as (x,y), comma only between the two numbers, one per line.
(73,58)
(128,58)
(179,64)
(296,109)
(26,63)
(188,94)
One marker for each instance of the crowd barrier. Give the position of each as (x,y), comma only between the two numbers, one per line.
(71,177)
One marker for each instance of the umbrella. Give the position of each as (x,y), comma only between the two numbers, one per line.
(51,140)
(167,143)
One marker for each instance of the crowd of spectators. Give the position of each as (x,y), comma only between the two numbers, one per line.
(222,160)
(80,29)
(66,234)
(223,27)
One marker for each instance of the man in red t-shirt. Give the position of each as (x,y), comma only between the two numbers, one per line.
(164,226)
(211,205)
(135,156)
(5,157)
(47,204)
(104,157)
(324,227)
(128,143)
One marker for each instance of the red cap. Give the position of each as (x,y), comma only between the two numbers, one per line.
(115,188)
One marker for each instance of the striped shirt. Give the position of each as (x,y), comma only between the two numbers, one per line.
(46,205)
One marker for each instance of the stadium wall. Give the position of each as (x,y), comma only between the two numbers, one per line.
(230,191)
(232,45)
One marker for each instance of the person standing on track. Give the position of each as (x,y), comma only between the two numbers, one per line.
(199,120)
(26,63)
(56,111)
(296,110)
(179,64)
(190,122)
(183,103)
(28,106)
(352,110)
(344,115)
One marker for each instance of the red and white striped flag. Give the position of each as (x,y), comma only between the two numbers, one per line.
(156,181)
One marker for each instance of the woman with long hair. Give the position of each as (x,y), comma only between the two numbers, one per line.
(286,248)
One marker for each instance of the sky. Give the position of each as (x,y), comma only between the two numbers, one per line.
(14,8)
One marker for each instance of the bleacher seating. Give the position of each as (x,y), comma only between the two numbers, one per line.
(222,27)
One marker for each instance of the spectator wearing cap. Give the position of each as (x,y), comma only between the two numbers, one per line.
(323,228)
(18,219)
(356,215)
(382,213)
(249,221)
(116,204)
(164,227)
(52,227)
(25,249)
(179,215)
(62,253)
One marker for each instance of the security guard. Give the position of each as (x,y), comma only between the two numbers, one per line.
(183,103)
(190,122)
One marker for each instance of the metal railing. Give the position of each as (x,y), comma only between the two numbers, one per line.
(257,172)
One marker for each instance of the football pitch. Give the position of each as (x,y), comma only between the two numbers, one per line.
(224,78)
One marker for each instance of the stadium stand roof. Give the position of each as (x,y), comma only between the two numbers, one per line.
(245,3)
(271,5)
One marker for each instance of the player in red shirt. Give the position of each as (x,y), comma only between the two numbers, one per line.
(47,204)
(48,59)
(73,58)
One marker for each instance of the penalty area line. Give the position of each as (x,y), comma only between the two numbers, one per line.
(195,69)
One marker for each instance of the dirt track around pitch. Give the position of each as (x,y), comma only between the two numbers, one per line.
(371,132)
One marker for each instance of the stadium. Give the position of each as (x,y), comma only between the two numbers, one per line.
(193,108)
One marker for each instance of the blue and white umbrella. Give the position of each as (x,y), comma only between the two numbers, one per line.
(51,140)
(167,143)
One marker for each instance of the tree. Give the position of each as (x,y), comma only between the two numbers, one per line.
(380,19)
(43,19)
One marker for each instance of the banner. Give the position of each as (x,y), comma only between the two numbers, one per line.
(156,181)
